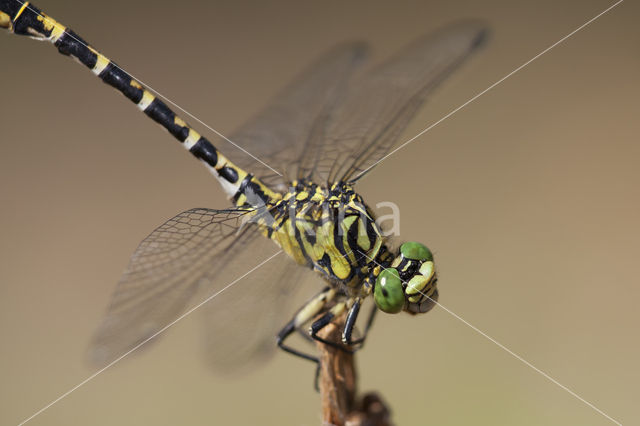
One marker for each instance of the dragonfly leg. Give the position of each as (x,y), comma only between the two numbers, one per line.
(349,326)
(351,321)
(325,320)
(286,331)
(312,308)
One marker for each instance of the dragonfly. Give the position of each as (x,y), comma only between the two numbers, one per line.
(292,190)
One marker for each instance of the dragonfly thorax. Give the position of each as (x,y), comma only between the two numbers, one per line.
(330,229)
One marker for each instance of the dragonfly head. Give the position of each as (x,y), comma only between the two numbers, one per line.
(409,284)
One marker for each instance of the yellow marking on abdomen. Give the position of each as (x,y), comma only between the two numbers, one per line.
(191,139)
(179,121)
(147,98)
(52,25)
(24,6)
(57,32)
(101,64)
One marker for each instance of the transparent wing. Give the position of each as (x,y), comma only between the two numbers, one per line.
(373,112)
(175,262)
(241,328)
(278,134)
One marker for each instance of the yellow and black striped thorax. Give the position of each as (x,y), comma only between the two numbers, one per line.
(330,229)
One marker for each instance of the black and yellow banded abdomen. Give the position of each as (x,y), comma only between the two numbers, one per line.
(23,18)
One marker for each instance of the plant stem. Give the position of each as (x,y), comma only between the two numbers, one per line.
(338,390)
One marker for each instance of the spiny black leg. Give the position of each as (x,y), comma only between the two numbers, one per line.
(286,331)
(372,316)
(316,380)
(367,326)
(312,308)
(352,316)
(321,323)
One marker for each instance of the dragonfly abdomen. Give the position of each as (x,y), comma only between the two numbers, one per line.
(22,18)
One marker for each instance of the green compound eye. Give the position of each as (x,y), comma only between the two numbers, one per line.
(388,293)
(416,251)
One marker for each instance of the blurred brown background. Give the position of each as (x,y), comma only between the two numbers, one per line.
(528,196)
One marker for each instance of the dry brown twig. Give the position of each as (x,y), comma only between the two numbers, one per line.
(340,404)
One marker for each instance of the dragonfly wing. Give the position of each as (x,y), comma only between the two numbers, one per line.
(278,134)
(175,262)
(240,330)
(374,111)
